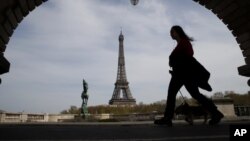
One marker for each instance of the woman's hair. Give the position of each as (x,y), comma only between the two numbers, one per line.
(178,29)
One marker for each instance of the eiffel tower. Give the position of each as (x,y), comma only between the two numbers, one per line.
(121,85)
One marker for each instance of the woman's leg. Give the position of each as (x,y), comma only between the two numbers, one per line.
(174,86)
(205,102)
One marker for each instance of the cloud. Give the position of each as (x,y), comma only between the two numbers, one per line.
(62,42)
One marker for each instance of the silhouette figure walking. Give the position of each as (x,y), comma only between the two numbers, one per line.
(187,71)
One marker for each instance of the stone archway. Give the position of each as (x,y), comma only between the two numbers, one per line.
(235,15)
(12,13)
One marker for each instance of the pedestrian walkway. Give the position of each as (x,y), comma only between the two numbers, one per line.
(118,131)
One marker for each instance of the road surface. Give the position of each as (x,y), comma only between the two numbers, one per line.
(120,131)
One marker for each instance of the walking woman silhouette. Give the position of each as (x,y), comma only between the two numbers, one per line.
(187,71)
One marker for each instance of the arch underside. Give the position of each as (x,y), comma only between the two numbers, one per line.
(235,14)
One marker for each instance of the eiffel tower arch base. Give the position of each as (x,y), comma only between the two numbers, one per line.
(122,102)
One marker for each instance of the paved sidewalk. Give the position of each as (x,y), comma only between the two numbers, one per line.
(133,131)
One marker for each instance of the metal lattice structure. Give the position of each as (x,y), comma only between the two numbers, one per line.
(122,94)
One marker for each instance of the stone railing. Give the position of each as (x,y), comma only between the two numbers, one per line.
(242,110)
(23,117)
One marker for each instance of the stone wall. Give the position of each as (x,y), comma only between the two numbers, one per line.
(226,106)
(61,117)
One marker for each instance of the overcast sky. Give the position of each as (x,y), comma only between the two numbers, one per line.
(64,41)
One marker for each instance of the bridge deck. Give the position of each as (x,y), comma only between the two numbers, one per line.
(117,131)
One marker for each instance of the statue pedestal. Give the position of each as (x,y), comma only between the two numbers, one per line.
(226,106)
(82,118)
